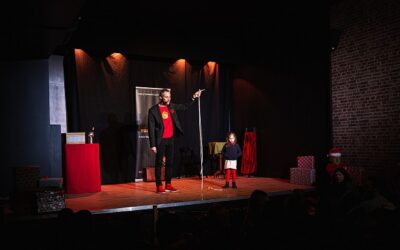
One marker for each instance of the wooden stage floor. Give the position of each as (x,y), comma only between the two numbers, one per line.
(192,191)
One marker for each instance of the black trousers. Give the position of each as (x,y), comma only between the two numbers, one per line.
(166,148)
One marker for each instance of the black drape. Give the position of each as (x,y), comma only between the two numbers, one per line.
(103,96)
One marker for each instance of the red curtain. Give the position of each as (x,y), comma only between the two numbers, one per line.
(249,158)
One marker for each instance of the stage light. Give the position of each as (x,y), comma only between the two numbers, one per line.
(116,55)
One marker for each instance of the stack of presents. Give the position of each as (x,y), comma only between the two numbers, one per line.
(50,195)
(304,173)
(34,194)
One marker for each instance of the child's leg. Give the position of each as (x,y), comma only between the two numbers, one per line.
(227,174)
(234,178)
(233,175)
(227,177)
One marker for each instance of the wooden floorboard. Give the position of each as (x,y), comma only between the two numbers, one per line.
(141,195)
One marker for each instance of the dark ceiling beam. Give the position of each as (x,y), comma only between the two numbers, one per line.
(34,29)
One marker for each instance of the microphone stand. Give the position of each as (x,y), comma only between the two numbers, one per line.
(201,142)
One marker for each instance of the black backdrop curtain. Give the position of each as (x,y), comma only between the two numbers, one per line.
(100,92)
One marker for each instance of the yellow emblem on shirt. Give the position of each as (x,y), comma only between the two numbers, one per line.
(164,115)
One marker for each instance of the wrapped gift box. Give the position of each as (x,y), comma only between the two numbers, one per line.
(149,174)
(303,176)
(51,200)
(305,161)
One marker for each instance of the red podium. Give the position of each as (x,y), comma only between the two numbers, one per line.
(82,168)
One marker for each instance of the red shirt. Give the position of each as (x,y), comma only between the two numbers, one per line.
(167,120)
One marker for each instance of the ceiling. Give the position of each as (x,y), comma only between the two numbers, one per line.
(198,29)
(34,29)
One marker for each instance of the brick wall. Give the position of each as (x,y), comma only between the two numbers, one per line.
(365,77)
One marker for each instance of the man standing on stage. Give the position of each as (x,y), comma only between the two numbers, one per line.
(163,126)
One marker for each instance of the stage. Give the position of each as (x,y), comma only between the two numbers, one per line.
(137,196)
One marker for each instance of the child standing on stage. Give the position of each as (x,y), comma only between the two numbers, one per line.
(231,152)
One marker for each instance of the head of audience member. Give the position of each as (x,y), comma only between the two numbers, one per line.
(335,155)
(341,176)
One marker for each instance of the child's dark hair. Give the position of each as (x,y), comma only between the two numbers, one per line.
(346,174)
(229,134)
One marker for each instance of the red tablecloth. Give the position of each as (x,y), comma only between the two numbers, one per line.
(82,168)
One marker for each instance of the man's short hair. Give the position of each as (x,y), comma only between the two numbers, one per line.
(164,90)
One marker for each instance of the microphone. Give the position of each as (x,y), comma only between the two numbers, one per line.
(201,90)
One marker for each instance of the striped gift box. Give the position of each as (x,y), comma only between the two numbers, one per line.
(302,176)
(305,161)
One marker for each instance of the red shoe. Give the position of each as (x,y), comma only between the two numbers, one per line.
(160,189)
(170,188)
